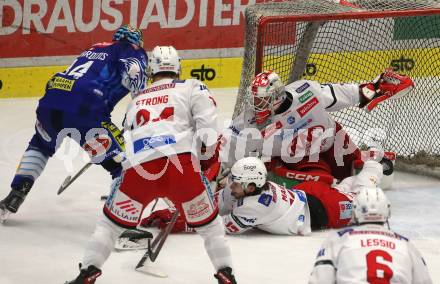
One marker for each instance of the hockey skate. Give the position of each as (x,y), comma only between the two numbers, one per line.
(86,276)
(225,276)
(13,201)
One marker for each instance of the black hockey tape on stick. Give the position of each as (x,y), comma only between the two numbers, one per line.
(68,181)
(155,247)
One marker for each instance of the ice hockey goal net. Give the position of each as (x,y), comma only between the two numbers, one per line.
(354,41)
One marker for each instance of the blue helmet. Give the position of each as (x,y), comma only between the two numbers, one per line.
(130,34)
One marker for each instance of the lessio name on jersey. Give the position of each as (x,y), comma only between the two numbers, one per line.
(148,143)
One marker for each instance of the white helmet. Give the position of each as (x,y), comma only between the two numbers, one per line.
(371,205)
(268,93)
(249,170)
(164,59)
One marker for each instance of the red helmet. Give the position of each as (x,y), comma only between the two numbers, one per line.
(267,93)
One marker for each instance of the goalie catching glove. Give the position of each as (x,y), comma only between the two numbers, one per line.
(389,85)
(161,218)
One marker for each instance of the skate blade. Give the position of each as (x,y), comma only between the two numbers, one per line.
(4,215)
(153,271)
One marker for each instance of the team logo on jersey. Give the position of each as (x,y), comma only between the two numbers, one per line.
(135,77)
(302,88)
(305,108)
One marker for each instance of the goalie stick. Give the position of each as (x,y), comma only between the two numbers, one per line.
(69,179)
(155,247)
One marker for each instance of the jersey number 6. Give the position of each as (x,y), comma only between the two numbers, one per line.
(378,273)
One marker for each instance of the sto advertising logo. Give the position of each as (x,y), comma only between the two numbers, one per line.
(203,73)
(403,64)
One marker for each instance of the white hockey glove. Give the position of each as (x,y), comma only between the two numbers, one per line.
(389,85)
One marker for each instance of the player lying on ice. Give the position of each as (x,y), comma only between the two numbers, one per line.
(369,252)
(161,124)
(249,201)
(293,125)
(78,103)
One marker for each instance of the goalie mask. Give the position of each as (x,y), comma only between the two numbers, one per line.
(164,59)
(268,94)
(249,170)
(130,34)
(371,206)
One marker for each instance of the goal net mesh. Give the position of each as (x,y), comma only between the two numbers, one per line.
(354,42)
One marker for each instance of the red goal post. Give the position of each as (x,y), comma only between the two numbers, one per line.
(332,43)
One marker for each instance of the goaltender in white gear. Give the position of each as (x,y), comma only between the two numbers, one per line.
(293,122)
(369,253)
(310,107)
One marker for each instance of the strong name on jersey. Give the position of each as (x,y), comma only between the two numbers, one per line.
(291,131)
(277,210)
(368,254)
(160,119)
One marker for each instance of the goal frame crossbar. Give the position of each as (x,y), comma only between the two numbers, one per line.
(360,15)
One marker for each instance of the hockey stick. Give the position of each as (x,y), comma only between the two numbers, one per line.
(155,247)
(69,179)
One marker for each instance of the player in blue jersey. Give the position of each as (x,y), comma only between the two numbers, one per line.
(78,103)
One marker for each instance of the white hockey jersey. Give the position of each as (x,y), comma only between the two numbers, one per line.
(166,118)
(277,210)
(303,128)
(369,254)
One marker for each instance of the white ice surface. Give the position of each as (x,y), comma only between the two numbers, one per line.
(44,242)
